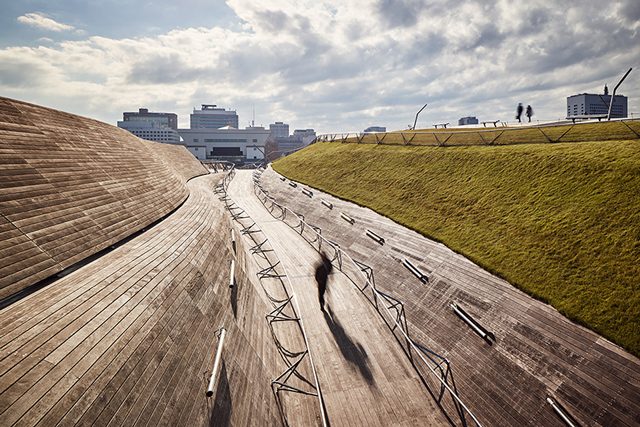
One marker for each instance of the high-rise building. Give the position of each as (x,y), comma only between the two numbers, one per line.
(209,116)
(470,120)
(587,104)
(159,127)
(279,130)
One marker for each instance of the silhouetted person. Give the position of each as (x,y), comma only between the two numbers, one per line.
(519,112)
(529,112)
(323,269)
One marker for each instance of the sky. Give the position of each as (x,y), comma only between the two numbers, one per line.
(332,65)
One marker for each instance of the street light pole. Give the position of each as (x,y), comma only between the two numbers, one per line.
(420,111)
(614,92)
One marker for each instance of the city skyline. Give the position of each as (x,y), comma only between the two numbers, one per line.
(333,66)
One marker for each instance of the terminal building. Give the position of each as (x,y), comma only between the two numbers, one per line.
(226,143)
(159,127)
(588,104)
(209,116)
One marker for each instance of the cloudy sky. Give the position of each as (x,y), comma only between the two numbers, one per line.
(335,65)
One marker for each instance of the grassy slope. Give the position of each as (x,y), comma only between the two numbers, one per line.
(560,221)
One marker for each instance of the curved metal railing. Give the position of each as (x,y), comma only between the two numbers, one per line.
(284,309)
(390,308)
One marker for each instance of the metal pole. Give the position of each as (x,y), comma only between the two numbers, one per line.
(216,363)
(416,120)
(614,93)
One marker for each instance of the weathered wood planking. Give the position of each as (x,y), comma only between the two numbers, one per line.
(538,351)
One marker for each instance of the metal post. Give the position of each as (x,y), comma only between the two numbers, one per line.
(614,92)
(216,363)
(558,410)
(232,278)
(416,120)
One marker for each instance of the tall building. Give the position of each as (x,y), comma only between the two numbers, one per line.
(209,116)
(226,143)
(471,120)
(586,104)
(159,127)
(279,130)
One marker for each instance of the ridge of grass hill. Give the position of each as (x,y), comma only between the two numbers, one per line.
(559,221)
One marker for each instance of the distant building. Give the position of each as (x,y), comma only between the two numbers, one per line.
(159,127)
(226,143)
(596,104)
(209,116)
(306,136)
(471,120)
(279,130)
(375,129)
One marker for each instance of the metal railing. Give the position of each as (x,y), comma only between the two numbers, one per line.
(390,309)
(284,311)
(551,133)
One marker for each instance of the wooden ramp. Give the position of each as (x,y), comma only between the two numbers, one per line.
(365,377)
(129,339)
(537,353)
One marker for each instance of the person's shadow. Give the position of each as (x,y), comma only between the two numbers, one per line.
(351,350)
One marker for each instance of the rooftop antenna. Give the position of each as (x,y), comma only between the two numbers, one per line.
(253,120)
(614,92)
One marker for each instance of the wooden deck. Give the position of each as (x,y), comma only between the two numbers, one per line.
(365,377)
(538,352)
(130,338)
(71,186)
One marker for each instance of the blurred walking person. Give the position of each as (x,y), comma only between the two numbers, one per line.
(529,112)
(519,112)
(323,269)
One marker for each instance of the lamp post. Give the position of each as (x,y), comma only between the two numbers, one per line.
(614,92)
(420,111)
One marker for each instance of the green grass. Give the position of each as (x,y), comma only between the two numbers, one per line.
(559,221)
(600,131)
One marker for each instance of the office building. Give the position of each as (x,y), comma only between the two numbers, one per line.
(588,104)
(471,120)
(226,143)
(375,129)
(211,117)
(159,127)
(279,130)
(305,136)
(143,114)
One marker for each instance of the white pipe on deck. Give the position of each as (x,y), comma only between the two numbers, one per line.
(216,363)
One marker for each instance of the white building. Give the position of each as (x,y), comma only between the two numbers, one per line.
(209,116)
(151,126)
(306,136)
(279,130)
(227,143)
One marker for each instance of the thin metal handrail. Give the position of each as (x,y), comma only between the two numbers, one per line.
(376,292)
(290,297)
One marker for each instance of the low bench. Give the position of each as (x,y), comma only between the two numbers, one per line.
(587,117)
(443,125)
(495,123)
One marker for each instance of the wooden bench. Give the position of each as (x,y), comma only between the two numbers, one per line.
(442,125)
(494,122)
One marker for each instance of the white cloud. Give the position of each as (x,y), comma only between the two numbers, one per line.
(41,21)
(337,65)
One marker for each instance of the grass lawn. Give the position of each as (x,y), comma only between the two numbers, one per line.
(600,131)
(559,221)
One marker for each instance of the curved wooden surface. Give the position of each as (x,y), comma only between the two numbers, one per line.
(129,339)
(365,377)
(72,186)
(537,353)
